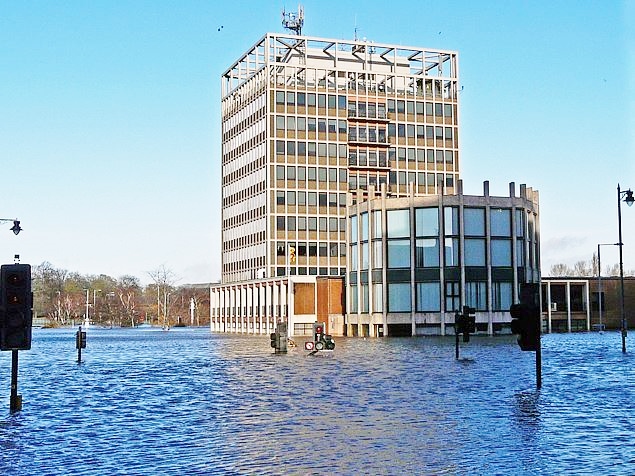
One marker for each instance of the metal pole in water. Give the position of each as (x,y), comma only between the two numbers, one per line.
(15,404)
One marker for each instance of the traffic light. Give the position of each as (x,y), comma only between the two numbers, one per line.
(274,340)
(318,335)
(80,340)
(465,323)
(469,313)
(292,254)
(16,304)
(526,324)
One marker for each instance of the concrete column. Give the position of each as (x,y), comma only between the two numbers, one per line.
(549,307)
(588,305)
(568,306)
(251,327)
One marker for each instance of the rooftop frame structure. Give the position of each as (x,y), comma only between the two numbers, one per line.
(281,49)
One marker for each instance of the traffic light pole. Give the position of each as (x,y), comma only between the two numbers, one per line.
(539,354)
(15,403)
(456,350)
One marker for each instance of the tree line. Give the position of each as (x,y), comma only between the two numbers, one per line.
(587,269)
(64,298)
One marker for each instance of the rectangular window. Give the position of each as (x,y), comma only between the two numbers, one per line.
(399,297)
(474,252)
(279,198)
(364,290)
(364,226)
(427,253)
(398,223)
(399,253)
(354,229)
(520,253)
(376,224)
(451,220)
(501,252)
(364,249)
(500,222)
(475,295)
(353,257)
(279,172)
(354,298)
(451,252)
(280,97)
(378,303)
(311,99)
(474,221)
(377,254)
(452,296)
(520,223)
(502,296)
(428,297)
(427,221)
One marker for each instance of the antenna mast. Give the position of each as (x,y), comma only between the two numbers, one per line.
(293,21)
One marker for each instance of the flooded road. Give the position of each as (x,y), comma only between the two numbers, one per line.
(148,402)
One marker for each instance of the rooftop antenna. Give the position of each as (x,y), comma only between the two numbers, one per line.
(293,21)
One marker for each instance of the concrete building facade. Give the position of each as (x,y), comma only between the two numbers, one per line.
(307,120)
(415,261)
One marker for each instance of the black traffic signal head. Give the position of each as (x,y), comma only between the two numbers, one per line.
(16,305)
(526,324)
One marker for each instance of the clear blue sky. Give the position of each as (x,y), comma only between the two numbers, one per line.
(110,118)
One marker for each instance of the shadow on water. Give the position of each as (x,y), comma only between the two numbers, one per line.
(188,401)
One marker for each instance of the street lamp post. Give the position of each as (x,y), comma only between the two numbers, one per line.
(16,224)
(600,281)
(628,198)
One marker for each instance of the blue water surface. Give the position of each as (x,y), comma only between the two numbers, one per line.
(186,401)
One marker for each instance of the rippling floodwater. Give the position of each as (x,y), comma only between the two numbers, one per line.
(147,402)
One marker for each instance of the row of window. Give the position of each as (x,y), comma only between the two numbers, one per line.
(243,267)
(310,271)
(428,297)
(246,169)
(312,248)
(246,240)
(312,199)
(244,217)
(428,253)
(247,193)
(311,149)
(242,148)
(366,133)
(363,180)
(363,109)
(251,117)
(300,173)
(427,222)
(323,224)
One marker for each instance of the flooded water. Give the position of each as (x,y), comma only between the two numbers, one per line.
(148,402)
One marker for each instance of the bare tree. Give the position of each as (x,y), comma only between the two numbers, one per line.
(164,280)
(583,268)
(560,269)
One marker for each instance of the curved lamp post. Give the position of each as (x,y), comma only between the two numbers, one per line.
(16,224)
(600,282)
(628,198)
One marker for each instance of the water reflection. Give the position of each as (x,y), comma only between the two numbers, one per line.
(187,401)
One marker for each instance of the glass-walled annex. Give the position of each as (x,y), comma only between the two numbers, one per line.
(414,262)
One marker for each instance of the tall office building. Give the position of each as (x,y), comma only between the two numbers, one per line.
(306,120)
